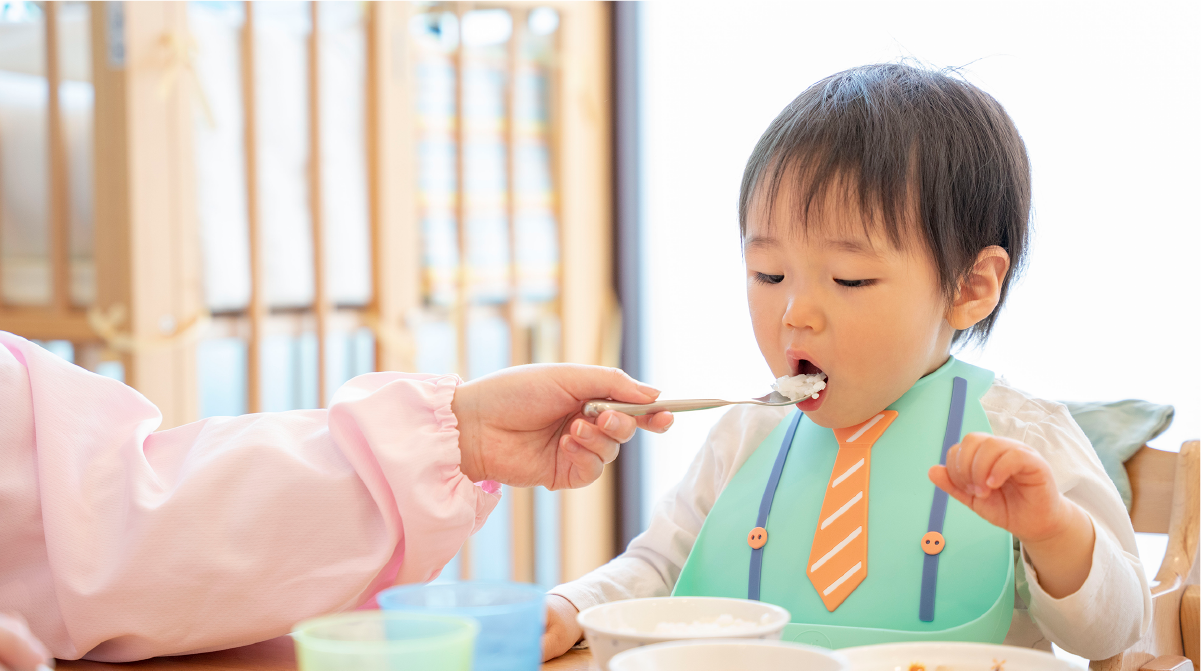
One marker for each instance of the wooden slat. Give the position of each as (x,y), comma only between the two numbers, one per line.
(58,193)
(521,500)
(569,507)
(321,305)
(460,307)
(395,225)
(521,507)
(186,300)
(583,177)
(111,172)
(378,20)
(257,310)
(41,324)
(459,311)
(147,242)
(1190,623)
(518,334)
(554,142)
(228,325)
(1168,663)
(1148,468)
(1152,473)
(347,319)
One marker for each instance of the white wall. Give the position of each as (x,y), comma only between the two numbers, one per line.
(1106,97)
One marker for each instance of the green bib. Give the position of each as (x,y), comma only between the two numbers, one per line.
(971,587)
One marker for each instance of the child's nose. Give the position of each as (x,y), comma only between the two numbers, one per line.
(804,313)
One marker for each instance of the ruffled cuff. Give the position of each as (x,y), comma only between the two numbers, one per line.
(488,495)
(403,437)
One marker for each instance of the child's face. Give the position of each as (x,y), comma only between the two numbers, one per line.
(830,298)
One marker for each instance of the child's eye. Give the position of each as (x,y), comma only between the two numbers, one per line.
(855,283)
(768,279)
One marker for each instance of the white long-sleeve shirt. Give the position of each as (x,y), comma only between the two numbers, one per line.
(1109,612)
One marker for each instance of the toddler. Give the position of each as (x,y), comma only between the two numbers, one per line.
(884,214)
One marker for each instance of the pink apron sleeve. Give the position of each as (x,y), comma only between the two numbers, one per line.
(122,543)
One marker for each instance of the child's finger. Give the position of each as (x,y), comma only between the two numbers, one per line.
(941,479)
(956,457)
(592,438)
(960,458)
(1011,466)
(949,468)
(986,456)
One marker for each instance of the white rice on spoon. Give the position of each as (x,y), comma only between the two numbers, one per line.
(801,387)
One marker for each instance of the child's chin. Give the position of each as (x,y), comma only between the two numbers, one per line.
(826,416)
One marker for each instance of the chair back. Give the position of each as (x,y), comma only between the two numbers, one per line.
(1152,475)
(1166,489)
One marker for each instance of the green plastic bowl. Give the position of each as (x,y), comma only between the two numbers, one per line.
(372,640)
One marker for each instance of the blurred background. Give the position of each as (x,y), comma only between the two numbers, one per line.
(237,206)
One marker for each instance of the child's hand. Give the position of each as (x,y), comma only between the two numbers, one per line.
(1010,485)
(19,649)
(1006,483)
(562,631)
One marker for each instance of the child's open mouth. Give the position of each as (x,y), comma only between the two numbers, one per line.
(807,367)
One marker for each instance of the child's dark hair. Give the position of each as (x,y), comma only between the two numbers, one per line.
(893,132)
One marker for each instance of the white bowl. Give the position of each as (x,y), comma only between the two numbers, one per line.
(957,656)
(620,625)
(729,654)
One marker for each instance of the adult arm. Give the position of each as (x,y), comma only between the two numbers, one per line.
(123,543)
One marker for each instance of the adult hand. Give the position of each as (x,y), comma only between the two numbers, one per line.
(524,426)
(19,649)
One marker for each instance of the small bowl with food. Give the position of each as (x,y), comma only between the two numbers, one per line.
(730,654)
(945,656)
(618,626)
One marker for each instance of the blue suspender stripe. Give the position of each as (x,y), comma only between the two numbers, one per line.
(769,494)
(938,509)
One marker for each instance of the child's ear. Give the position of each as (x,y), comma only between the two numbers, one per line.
(980,289)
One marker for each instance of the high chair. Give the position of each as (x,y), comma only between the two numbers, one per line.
(1165,487)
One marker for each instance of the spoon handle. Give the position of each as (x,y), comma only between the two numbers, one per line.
(596,407)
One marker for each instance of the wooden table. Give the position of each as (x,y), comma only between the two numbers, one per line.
(277,654)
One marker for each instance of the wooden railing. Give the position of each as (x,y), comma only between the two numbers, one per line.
(150,308)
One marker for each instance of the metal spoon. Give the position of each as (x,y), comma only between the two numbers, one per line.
(597,406)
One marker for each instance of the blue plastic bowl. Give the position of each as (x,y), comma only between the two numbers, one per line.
(512,617)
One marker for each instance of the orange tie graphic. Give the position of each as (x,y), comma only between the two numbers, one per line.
(838,559)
